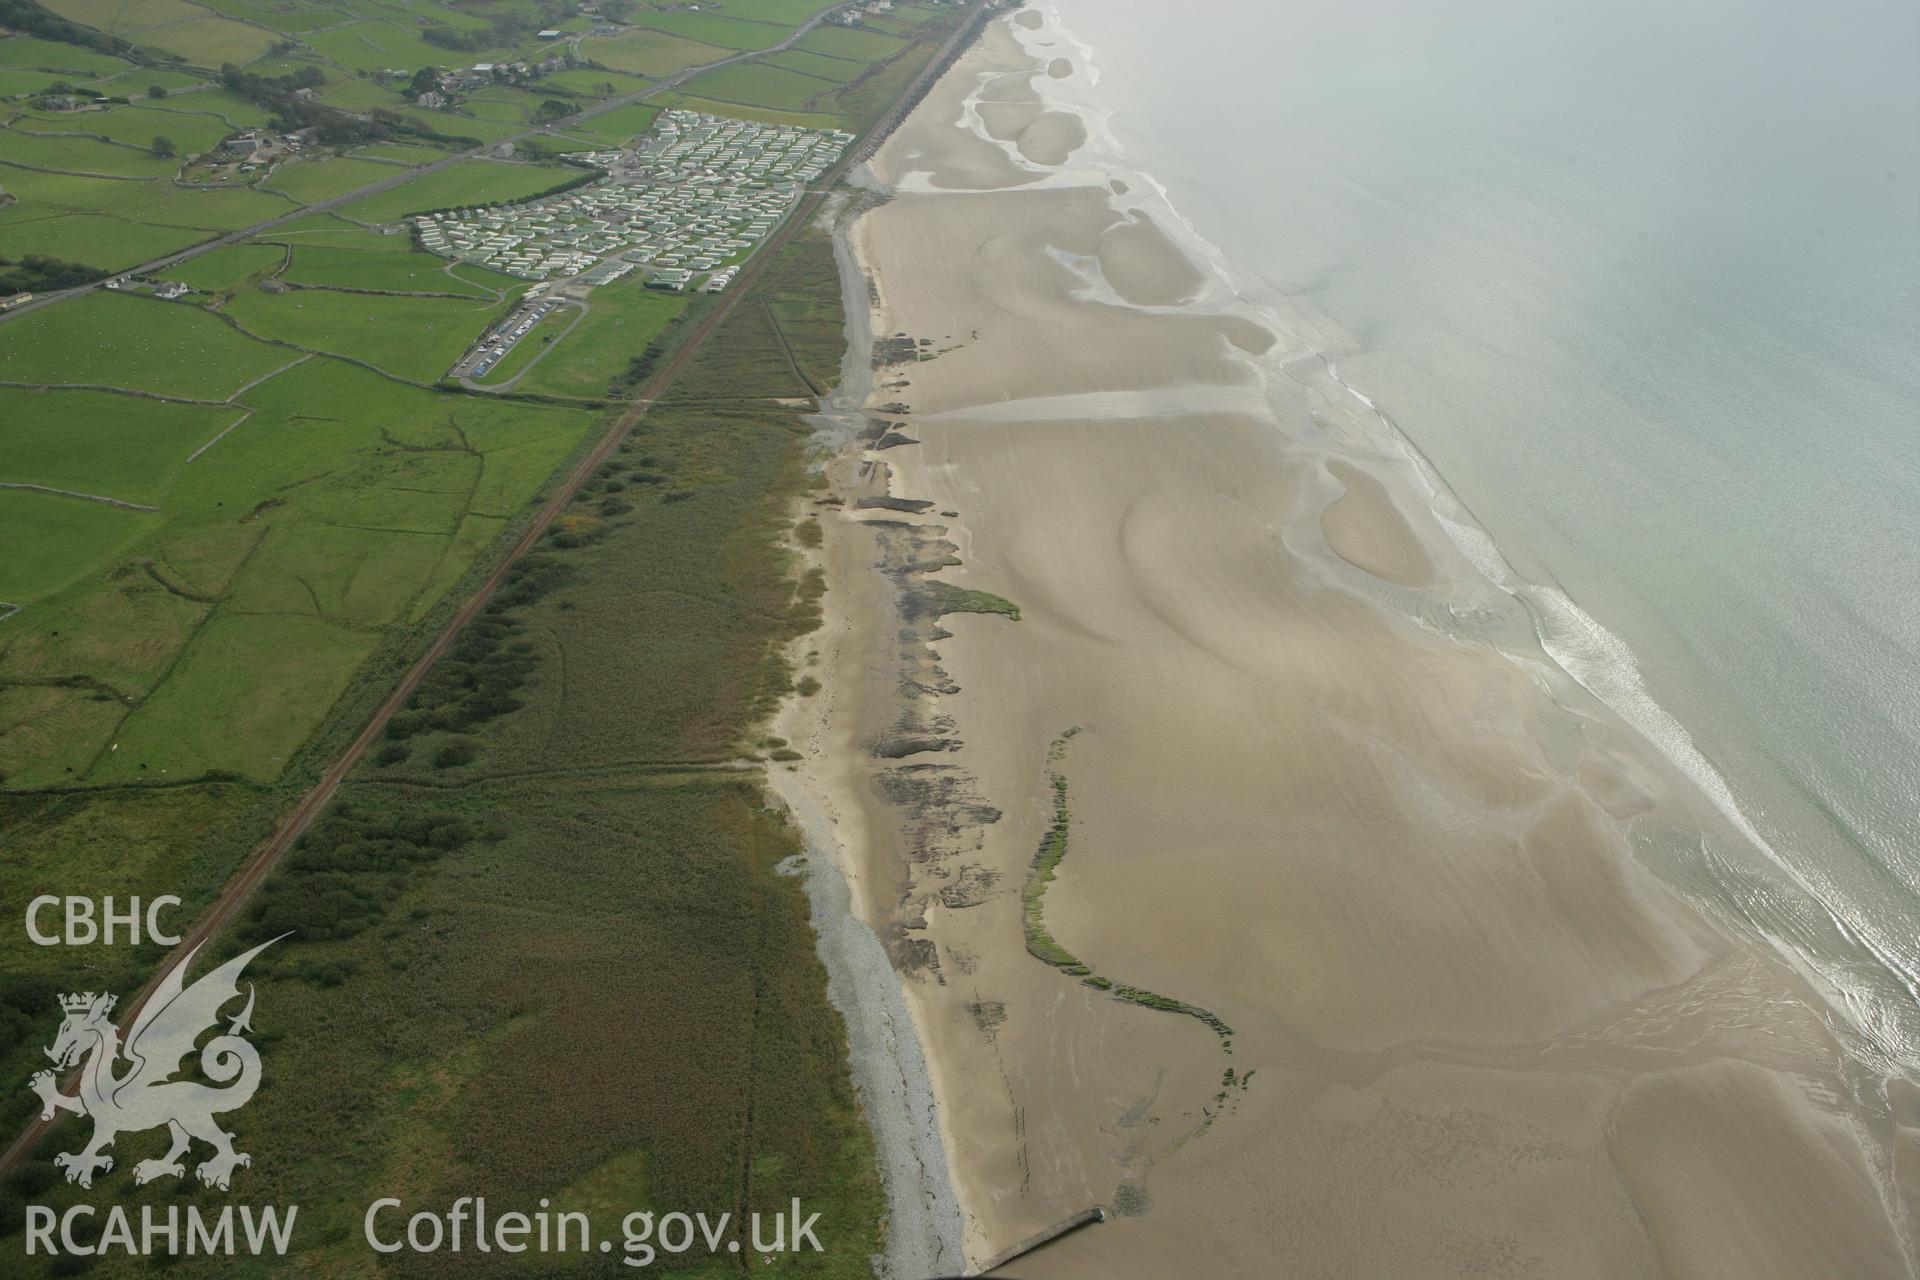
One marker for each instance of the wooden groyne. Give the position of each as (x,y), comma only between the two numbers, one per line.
(1085,1217)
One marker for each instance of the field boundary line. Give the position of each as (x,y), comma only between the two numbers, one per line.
(75,493)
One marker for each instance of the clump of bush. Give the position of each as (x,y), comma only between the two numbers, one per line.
(340,876)
(477,679)
(455,753)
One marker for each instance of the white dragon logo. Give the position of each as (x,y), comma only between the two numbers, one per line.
(144,1096)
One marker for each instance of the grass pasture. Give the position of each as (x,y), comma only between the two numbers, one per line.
(309,181)
(210,41)
(846,42)
(766,115)
(105,338)
(372,44)
(341,500)
(384,270)
(757,84)
(227,268)
(126,447)
(359,96)
(193,130)
(789,13)
(52,540)
(82,155)
(120,17)
(807,62)
(723,31)
(289,17)
(622,318)
(595,82)
(614,128)
(467,182)
(245,695)
(14,83)
(99,241)
(399,152)
(137,204)
(52,55)
(238,112)
(414,338)
(649,53)
(325,228)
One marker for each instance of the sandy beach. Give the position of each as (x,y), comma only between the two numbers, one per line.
(1347,965)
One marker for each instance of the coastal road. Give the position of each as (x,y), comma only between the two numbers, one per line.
(673,81)
(268,855)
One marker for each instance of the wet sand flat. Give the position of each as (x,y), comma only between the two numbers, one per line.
(1403,1000)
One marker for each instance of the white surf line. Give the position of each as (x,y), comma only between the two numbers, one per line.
(222,436)
(1152,402)
(74,493)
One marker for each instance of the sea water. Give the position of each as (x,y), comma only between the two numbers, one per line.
(1642,282)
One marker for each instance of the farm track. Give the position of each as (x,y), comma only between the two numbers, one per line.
(268,855)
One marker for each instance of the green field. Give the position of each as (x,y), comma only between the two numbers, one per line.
(460,184)
(595,82)
(121,17)
(368,46)
(114,340)
(192,129)
(714,29)
(218,709)
(224,103)
(102,242)
(615,128)
(649,53)
(621,319)
(404,153)
(360,95)
(52,55)
(209,42)
(225,269)
(114,223)
(786,12)
(82,155)
(53,540)
(324,228)
(281,15)
(390,270)
(840,70)
(766,115)
(415,338)
(311,180)
(757,84)
(843,42)
(339,500)
(138,445)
